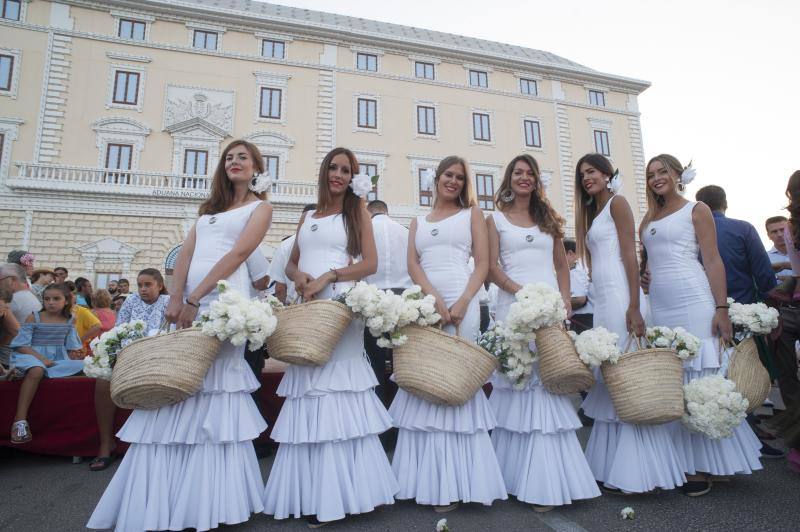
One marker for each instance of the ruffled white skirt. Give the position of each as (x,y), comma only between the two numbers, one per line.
(537,446)
(191,464)
(330,462)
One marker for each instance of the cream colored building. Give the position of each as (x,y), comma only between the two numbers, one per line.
(113,114)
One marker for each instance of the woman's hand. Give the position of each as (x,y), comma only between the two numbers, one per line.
(567,304)
(634,321)
(442,310)
(317,285)
(187,316)
(301,282)
(721,325)
(174,309)
(458,310)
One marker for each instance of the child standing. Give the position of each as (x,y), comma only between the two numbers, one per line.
(44,347)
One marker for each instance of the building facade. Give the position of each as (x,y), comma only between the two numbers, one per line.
(113,115)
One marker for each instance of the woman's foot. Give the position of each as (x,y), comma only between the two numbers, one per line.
(21,432)
(445,509)
(313,522)
(540,509)
(101,462)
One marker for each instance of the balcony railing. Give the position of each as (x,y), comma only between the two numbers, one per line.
(50,177)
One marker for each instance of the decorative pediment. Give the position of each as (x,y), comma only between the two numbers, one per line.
(208,106)
(198,128)
(270,138)
(120,124)
(108,249)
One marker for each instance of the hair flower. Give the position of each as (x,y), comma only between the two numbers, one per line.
(688,174)
(260,183)
(361,185)
(615,183)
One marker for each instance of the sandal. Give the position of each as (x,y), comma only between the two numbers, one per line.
(21,432)
(101,462)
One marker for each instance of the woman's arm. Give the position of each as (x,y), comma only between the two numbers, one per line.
(417,274)
(561,266)
(706,232)
(10,325)
(495,273)
(179,274)
(622,215)
(480,254)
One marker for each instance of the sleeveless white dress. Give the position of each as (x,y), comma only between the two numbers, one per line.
(444,453)
(634,458)
(330,462)
(192,464)
(535,437)
(680,296)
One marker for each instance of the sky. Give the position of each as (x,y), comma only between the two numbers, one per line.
(725,75)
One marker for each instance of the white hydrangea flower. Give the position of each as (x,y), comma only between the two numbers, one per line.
(713,406)
(596,346)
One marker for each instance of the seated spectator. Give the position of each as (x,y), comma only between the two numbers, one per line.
(123,287)
(117,302)
(84,292)
(40,278)
(101,301)
(112,287)
(9,327)
(24,259)
(46,346)
(86,323)
(23,302)
(61,274)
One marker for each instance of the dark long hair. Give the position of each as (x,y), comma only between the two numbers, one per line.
(585,208)
(65,291)
(155,274)
(793,194)
(351,205)
(221,197)
(542,213)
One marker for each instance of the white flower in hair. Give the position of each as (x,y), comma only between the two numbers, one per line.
(688,174)
(615,183)
(260,183)
(361,185)
(426,178)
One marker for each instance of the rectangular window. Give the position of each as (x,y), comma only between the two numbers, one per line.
(601,143)
(271,165)
(528,86)
(478,78)
(533,135)
(275,49)
(131,29)
(484,187)
(424,70)
(205,40)
(102,279)
(195,162)
(118,157)
(480,127)
(6,72)
(426,120)
(370,170)
(425,196)
(367,62)
(597,98)
(270,103)
(126,87)
(367,113)
(10,9)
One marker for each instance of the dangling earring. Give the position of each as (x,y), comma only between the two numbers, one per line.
(507,196)
(681,186)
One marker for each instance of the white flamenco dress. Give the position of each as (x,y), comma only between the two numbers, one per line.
(330,462)
(535,438)
(634,458)
(192,464)
(444,453)
(680,296)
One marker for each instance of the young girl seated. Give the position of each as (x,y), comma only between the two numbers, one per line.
(44,347)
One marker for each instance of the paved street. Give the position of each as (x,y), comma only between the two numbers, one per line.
(41,493)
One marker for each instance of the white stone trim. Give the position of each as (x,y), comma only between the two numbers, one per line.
(487,70)
(492,169)
(546,178)
(519,76)
(600,124)
(192,27)
(604,91)
(534,118)
(492,124)
(435,61)
(326,113)
(378,109)
(378,159)
(270,80)
(274,143)
(370,51)
(119,130)
(52,104)
(120,56)
(205,27)
(436,120)
(107,250)
(112,70)
(566,167)
(262,36)
(130,15)
(16,67)
(23,13)
(186,141)
(9,127)
(637,154)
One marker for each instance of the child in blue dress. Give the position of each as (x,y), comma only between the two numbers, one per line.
(44,347)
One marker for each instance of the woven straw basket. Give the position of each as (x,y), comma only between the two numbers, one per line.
(307,333)
(162,370)
(646,386)
(439,367)
(560,367)
(749,374)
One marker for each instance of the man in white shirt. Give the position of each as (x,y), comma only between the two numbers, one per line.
(579,287)
(777,255)
(14,279)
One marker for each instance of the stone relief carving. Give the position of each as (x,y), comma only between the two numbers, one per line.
(186,103)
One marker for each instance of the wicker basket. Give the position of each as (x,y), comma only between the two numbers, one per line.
(646,386)
(749,374)
(439,367)
(560,367)
(162,370)
(307,333)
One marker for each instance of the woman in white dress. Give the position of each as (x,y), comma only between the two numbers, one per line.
(685,293)
(632,458)
(535,438)
(444,454)
(192,464)
(330,462)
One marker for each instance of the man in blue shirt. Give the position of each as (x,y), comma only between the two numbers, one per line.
(748,270)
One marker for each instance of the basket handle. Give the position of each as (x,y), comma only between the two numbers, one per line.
(631,337)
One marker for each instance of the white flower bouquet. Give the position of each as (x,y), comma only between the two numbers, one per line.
(627,513)
(538,305)
(515,356)
(596,346)
(273,302)
(752,319)
(713,406)
(236,318)
(685,344)
(107,346)
(441,526)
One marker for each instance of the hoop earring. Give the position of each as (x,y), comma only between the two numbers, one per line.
(507,196)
